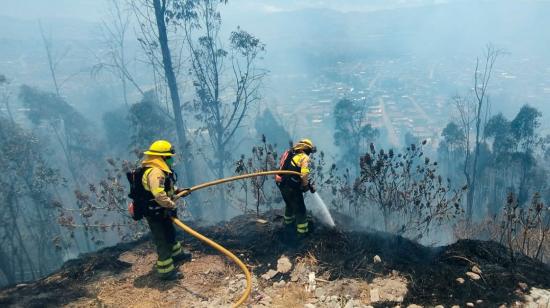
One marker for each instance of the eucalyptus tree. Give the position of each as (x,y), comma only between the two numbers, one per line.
(226,76)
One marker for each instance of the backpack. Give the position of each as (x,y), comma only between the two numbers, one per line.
(285,163)
(137,208)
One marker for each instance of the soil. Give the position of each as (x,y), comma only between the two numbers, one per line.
(330,268)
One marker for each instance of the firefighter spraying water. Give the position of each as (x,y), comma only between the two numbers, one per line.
(154,194)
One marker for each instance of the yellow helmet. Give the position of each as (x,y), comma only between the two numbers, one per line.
(305,145)
(160,148)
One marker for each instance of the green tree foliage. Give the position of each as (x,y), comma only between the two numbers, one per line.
(148,122)
(524,128)
(509,158)
(70,129)
(352,135)
(29,236)
(117,129)
(498,128)
(453,136)
(516,145)
(46,107)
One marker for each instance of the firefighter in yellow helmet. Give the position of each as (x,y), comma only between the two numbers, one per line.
(158,181)
(293,187)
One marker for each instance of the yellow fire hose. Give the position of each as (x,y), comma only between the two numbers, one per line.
(215,245)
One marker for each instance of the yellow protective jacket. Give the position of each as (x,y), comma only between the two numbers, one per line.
(154,179)
(301,160)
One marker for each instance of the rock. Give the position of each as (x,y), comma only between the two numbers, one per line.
(470,304)
(311,282)
(279,284)
(439,306)
(309,306)
(270,274)
(21,285)
(283,265)
(455,306)
(377,259)
(350,304)
(460,280)
(476,270)
(374,295)
(479,302)
(473,276)
(299,272)
(523,286)
(320,292)
(414,306)
(240,276)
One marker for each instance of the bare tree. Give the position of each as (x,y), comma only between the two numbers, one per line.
(525,229)
(263,158)
(54,59)
(407,188)
(114,31)
(473,113)
(226,81)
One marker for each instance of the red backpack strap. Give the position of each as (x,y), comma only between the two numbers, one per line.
(283,159)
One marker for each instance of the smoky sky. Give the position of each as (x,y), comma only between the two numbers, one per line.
(304,35)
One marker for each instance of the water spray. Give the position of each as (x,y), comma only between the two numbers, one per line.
(320,210)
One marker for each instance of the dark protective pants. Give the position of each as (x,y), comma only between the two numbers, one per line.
(295,209)
(164,238)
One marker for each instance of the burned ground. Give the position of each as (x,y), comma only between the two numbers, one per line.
(431,273)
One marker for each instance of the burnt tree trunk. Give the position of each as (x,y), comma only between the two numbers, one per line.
(160,8)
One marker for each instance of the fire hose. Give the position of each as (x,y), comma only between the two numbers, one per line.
(215,245)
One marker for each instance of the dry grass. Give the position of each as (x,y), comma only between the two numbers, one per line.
(525,241)
(294,295)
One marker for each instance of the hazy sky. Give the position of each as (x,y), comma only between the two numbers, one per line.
(92,10)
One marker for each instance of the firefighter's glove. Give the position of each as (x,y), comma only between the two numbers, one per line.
(172,205)
(183,191)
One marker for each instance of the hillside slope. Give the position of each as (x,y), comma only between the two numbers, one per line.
(330,268)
